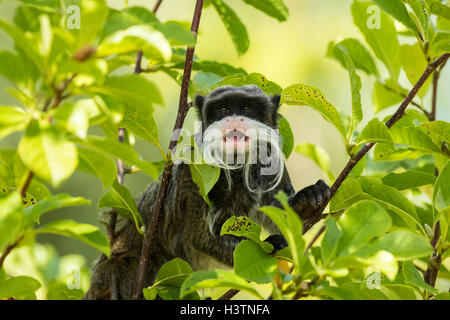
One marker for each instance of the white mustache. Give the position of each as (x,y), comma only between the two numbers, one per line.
(263,147)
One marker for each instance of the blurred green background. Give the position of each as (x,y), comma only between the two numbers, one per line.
(286,53)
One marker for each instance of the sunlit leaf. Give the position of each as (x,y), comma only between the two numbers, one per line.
(302,94)
(216,279)
(47,152)
(86,233)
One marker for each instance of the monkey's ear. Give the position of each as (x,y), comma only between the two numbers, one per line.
(276,101)
(199,100)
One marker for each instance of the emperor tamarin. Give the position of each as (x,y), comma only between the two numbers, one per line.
(239,135)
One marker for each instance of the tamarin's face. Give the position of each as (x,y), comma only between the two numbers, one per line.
(236,111)
(240,128)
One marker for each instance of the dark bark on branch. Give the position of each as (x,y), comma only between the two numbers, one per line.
(183,108)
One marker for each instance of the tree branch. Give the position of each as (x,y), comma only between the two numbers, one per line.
(395,117)
(183,107)
(366,148)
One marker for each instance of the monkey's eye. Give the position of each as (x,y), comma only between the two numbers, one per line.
(223,110)
(245,109)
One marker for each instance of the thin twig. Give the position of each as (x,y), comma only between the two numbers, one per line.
(183,107)
(420,107)
(9,249)
(436,75)
(229,294)
(156,7)
(25,186)
(138,68)
(304,286)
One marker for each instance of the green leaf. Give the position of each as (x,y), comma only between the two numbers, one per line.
(116,149)
(216,279)
(235,28)
(63,200)
(440,9)
(348,193)
(375,132)
(290,226)
(245,227)
(442,296)
(23,43)
(121,20)
(408,180)
(361,57)
(438,131)
(131,89)
(12,119)
(204,82)
(413,137)
(413,276)
(422,17)
(274,8)
(330,241)
(253,263)
(174,272)
(318,155)
(138,37)
(381,37)
(18,287)
(391,199)
(384,98)
(93,16)
(217,68)
(13,68)
(169,280)
(302,94)
(402,244)
(286,135)
(73,117)
(86,233)
(440,44)
(60,291)
(205,177)
(414,63)
(119,197)
(441,195)
(355,85)
(96,163)
(46,152)
(360,223)
(46,34)
(177,33)
(141,124)
(237,80)
(11,218)
(397,9)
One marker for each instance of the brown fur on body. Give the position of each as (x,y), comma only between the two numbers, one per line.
(190,230)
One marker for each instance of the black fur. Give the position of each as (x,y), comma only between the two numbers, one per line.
(262,107)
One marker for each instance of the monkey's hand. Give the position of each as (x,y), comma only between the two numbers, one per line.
(308,201)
